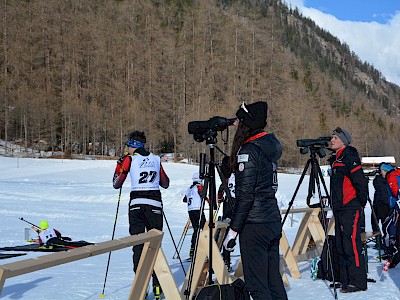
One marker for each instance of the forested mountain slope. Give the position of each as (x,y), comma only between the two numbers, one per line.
(77,74)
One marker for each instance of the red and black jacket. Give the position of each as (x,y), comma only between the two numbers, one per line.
(349,187)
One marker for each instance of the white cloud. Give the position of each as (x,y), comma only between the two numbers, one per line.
(376,43)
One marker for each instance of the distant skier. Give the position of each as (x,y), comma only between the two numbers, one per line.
(145,205)
(193,199)
(48,236)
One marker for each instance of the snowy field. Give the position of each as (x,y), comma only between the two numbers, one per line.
(78,199)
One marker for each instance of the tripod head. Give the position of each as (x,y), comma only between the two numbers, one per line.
(207,130)
(315,146)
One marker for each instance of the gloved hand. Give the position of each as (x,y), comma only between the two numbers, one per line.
(121,158)
(66,238)
(393,246)
(123,155)
(230,240)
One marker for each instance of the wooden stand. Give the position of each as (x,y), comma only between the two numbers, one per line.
(310,227)
(200,271)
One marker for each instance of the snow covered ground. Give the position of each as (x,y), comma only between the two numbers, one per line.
(77,198)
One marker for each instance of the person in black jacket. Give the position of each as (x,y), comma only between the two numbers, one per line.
(256,218)
(349,194)
(381,203)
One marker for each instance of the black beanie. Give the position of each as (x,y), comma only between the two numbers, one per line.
(253,115)
(138,136)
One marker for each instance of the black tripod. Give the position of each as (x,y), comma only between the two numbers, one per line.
(316,178)
(208,174)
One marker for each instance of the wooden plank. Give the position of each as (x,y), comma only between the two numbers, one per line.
(152,240)
(143,271)
(288,256)
(302,237)
(165,277)
(200,271)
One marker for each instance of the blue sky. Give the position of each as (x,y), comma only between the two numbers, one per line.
(371,28)
(380,11)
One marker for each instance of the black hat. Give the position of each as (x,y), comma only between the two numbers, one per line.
(253,115)
(138,136)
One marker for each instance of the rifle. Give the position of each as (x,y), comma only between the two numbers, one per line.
(22,219)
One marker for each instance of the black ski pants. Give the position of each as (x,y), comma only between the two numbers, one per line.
(194,216)
(259,248)
(381,211)
(142,218)
(349,248)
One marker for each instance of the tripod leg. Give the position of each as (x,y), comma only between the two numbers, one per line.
(297,189)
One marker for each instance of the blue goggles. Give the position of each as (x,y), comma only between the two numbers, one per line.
(134,144)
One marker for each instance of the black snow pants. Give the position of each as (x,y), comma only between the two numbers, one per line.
(259,247)
(142,218)
(349,248)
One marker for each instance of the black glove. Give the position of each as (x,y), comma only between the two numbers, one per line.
(65,238)
(121,158)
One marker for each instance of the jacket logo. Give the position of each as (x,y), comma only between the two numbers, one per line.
(147,163)
(243,158)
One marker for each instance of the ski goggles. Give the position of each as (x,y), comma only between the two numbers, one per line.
(134,144)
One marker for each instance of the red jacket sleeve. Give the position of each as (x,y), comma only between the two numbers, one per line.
(121,171)
(392,181)
(200,189)
(164,180)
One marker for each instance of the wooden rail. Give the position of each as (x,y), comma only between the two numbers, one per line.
(152,258)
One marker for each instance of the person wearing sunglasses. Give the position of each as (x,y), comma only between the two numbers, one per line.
(349,194)
(256,218)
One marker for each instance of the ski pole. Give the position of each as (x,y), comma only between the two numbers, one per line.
(22,219)
(112,238)
(173,241)
(181,240)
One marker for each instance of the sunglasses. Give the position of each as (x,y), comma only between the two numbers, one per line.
(243,106)
(338,130)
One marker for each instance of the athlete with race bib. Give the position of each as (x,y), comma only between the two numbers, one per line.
(145,205)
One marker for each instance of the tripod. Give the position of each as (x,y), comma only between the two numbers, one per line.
(316,178)
(209,186)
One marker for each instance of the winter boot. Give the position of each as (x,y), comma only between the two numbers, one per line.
(157,291)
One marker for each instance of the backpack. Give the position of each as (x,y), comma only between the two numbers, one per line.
(232,291)
(324,265)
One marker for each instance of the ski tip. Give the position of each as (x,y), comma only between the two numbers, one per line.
(101,296)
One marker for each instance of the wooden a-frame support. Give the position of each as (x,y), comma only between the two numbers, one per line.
(152,258)
(201,265)
(310,227)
